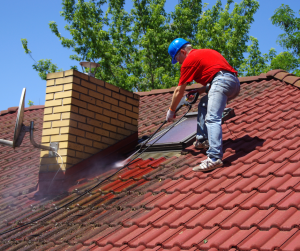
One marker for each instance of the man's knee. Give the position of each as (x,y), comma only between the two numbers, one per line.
(213,119)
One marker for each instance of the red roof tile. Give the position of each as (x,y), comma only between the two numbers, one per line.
(159,203)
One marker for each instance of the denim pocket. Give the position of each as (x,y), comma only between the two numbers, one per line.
(228,85)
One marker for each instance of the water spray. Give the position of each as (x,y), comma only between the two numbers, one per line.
(60,169)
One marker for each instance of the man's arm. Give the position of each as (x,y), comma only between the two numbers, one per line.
(177,96)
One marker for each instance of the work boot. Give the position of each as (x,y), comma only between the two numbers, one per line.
(201,145)
(208,165)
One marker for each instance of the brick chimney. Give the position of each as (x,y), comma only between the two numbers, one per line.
(85,115)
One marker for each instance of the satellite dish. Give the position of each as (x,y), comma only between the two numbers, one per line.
(18,126)
(20,130)
(19,121)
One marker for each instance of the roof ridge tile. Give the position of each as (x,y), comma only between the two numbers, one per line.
(291,79)
(282,75)
(272,73)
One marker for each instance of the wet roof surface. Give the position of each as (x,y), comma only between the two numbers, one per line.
(19,167)
(159,203)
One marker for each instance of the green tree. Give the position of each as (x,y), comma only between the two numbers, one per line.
(256,63)
(284,18)
(289,60)
(286,61)
(132,48)
(30,102)
(227,32)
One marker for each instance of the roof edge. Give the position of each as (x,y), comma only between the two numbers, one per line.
(15,109)
(284,76)
(160,91)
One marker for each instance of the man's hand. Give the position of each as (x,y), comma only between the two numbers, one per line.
(170,115)
(191,94)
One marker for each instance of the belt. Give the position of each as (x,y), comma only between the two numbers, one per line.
(217,74)
(222,72)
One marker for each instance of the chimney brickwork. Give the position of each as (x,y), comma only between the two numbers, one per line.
(85,115)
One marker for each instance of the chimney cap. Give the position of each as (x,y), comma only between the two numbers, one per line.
(89,65)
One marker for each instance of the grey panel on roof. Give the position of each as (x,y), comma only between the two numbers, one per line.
(179,133)
(178,137)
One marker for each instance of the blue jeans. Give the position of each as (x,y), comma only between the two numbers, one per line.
(225,86)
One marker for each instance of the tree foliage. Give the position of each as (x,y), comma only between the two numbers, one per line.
(227,32)
(43,66)
(132,47)
(289,60)
(286,61)
(284,18)
(30,103)
(256,62)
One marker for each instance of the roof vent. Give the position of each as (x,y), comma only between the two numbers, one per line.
(21,129)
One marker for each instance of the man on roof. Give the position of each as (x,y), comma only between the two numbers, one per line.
(209,68)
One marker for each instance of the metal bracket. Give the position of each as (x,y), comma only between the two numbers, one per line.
(25,128)
(53,145)
(49,148)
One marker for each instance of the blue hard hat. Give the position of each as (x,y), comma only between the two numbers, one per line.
(175,46)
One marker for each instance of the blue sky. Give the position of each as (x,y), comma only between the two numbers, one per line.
(29,19)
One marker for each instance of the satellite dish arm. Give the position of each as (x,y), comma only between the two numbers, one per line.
(6,142)
(20,131)
(10,143)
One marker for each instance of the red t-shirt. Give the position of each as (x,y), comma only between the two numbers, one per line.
(201,65)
